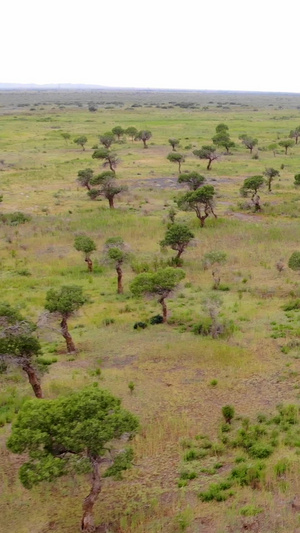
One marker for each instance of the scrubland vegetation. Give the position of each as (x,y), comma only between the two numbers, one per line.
(150,248)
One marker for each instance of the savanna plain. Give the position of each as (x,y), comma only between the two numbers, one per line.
(216,387)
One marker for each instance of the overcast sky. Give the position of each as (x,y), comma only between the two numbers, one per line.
(188,44)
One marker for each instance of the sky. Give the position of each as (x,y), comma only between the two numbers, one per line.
(188,44)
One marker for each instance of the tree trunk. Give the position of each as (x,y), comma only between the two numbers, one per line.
(89,264)
(270,185)
(145,145)
(179,167)
(88,186)
(209,163)
(87,522)
(286,149)
(111,202)
(250,148)
(120,275)
(296,139)
(164,308)
(83,148)
(179,252)
(33,379)
(202,220)
(110,166)
(66,335)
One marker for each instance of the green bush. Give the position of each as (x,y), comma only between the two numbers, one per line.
(140,325)
(156,319)
(260,451)
(297,179)
(14,219)
(294,261)
(250,510)
(228,413)
(203,327)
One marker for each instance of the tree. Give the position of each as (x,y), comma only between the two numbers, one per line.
(286,143)
(118,131)
(131,132)
(223,139)
(65,301)
(115,251)
(174,142)
(270,174)
(192,179)
(107,139)
(109,187)
(273,147)
(18,344)
(248,141)
(85,244)
(109,158)
(66,136)
(84,177)
(201,201)
(214,259)
(92,108)
(178,237)
(295,134)
(207,152)
(160,283)
(220,128)
(73,434)
(297,179)
(143,135)
(294,261)
(81,141)
(252,185)
(176,158)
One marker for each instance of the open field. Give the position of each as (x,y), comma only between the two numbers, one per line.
(181,380)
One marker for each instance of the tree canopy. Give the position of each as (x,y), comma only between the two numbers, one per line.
(178,237)
(194,180)
(207,152)
(107,139)
(72,434)
(81,141)
(201,201)
(109,158)
(108,187)
(84,177)
(175,157)
(143,135)
(84,243)
(248,141)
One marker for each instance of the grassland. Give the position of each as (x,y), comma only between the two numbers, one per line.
(256,368)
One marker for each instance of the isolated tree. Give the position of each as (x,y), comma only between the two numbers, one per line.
(295,134)
(286,144)
(201,201)
(252,185)
(18,345)
(178,237)
(85,244)
(214,260)
(248,141)
(84,177)
(207,152)
(108,187)
(160,283)
(118,131)
(192,179)
(109,158)
(92,108)
(223,139)
(115,251)
(73,434)
(273,147)
(131,132)
(270,174)
(211,304)
(81,141)
(107,139)
(66,136)
(143,135)
(176,158)
(174,142)
(65,301)
(294,261)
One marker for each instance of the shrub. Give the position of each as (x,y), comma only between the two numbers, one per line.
(260,451)
(140,325)
(297,179)
(294,261)
(156,319)
(203,327)
(14,219)
(228,413)
(250,510)
(248,474)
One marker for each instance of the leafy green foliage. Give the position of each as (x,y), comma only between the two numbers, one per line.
(178,237)
(294,261)
(176,157)
(84,177)
(173,142)
(286,144)
(252,185)
(161,282)
(81,141)
(143,135)
(248,141)
(51,432)
(207,152)
(201,201)
(65,300)
(193,179)
(14,219)
(84,244)
(215,257)
(228,413)
(107,139)
(107,186)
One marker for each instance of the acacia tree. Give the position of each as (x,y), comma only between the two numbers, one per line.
(174,142)
(114,248)
(160,283)
(85,244)
(118,131)
(207,152)
(65,302)
(178,237)
(192,179)
(223,139)
(109,158)
(143,135)
(18,344)
(248,141)
(73,434)
(270,174)
(108,187)
(107,139)
(201,201)
(84,177)
(176,158)
(295,134)
(221,127)
(286,144)
(131,132)
(81,141)
(66,136)
(252,185)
